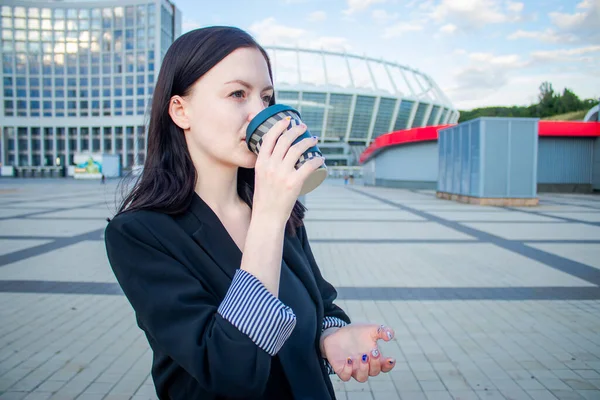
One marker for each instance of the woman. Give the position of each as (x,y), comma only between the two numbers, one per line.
(209,246)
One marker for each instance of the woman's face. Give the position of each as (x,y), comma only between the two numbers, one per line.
(222,103)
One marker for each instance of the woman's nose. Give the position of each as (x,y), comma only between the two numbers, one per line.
(255,108)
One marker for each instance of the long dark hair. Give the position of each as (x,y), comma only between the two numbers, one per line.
(168,180)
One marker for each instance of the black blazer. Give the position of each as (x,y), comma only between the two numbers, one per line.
(175,271)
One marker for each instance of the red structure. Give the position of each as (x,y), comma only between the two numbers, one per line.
(430,133)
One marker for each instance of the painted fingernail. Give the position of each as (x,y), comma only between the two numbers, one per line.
(349,361)
(375,353)
(381,327)
(389,335)
(365,358)
(391,362)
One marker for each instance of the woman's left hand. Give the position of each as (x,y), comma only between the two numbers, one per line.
(353,352)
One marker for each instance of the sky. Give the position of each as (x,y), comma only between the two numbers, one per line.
(480,52)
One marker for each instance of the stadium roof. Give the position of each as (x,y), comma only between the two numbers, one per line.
(320,70)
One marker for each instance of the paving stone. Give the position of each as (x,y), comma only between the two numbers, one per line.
(541,395)
(359,396)
(567,395)
(589,394)
(381,395)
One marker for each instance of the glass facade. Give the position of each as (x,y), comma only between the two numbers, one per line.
(432,117)
(363,113)
(78,68)
(403,117)
(420,115)
(313,111)
(337,116)
(384,116)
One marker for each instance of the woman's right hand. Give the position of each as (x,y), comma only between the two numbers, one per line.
(277,183)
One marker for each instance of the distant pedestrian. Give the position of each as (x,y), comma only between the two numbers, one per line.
(103,179)
(346,179)
(351,179)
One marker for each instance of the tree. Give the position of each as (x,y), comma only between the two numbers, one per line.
(546,91)
(547,104)
(569,102)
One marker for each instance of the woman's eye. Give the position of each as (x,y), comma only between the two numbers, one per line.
(267,99)
(238,94)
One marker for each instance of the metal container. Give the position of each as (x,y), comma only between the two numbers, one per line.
(489,158)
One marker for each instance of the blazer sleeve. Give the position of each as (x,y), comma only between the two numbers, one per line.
(225,345)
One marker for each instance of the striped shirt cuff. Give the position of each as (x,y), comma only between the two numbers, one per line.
(251,308)
(330,322)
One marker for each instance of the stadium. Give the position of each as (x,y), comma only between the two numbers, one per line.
(349,100)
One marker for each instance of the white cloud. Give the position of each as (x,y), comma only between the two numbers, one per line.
(383,16)
(401,28)
(509,60)
(269,32)
(495,79)
(332,43)
(360,5)
(582,24)
(568,55)
(585,4)
(547,36)
(567,21)
(317,16)
(484,74)
(474,14)
(448,28)
(522,89)
(515,6)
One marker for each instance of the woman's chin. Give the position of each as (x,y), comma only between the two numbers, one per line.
(247,161)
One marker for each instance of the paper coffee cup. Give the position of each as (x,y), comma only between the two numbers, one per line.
(265,120)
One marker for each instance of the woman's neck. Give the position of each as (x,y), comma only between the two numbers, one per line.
(217,186)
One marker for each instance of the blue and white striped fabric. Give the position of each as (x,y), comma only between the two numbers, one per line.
(251,308)
(330,322)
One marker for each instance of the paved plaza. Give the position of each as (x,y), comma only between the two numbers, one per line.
(486,302)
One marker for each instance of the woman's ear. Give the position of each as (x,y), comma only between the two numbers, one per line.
(178,112)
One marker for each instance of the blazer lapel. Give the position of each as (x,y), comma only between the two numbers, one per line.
(295,259)
(216,242)
(214,238)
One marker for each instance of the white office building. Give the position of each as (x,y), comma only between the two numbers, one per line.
(78,76)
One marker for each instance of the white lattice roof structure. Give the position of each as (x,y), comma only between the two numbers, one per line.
(352,98)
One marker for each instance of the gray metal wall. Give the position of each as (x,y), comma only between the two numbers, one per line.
(489,157)
(565,160)
(411,165)
(596,165)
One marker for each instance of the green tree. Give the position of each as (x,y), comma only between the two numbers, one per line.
(549,103)
(569,102)
(547,100)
